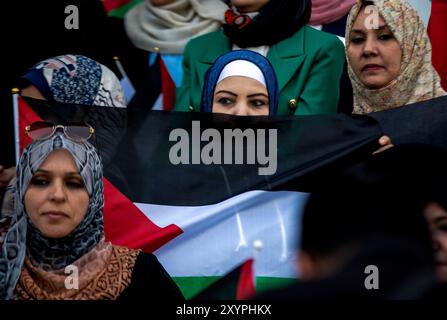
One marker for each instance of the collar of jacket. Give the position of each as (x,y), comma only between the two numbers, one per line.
(285,56)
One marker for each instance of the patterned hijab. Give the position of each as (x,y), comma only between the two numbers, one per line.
(76,79)
(214,72)
(418,80)
(22,238)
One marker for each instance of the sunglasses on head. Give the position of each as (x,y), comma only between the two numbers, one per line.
(41,130)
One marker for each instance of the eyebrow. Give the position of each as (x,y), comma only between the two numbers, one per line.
(257,94)
(71,173)
(228,92)
(378,29)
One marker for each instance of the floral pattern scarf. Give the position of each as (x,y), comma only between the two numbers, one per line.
(418,80)
(76,79)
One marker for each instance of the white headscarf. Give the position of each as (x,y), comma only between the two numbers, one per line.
(168,28)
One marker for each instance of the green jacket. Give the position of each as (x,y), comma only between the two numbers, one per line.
(308,65)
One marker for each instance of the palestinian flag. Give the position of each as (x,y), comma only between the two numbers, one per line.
(175,184)
(119,8)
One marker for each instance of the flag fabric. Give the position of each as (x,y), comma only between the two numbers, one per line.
(204,220)
(119,8)
(237,284)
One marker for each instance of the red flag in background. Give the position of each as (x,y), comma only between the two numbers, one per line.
(124,223)
(238,284)
(167,88)
(246,285)
(437,29)
(110,5)
(26,117)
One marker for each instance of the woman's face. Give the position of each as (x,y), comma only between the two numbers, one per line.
(437,219)
(57,200)
(375,54)
(242,96)
(247,6)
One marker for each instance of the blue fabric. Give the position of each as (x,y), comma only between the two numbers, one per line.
(173,63)
(76,79)
(213,73)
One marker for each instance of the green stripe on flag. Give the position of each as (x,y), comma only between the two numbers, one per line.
(191,286)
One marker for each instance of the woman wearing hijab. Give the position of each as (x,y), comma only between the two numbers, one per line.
(52,245)
(240,82)
(69,79)
(73,79)
(389,63)
(307,62)
(161,28)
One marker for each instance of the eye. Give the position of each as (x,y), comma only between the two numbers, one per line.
(442,228)
(40,182)
(257,103)
(75,184)
(385,37)
(357,40)
(225,101)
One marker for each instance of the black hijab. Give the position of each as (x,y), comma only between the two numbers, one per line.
(277,20)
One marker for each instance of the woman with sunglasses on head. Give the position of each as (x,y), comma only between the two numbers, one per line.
(52,245)
(72,79)
(240,82)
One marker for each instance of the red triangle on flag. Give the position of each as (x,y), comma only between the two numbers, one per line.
(126,225)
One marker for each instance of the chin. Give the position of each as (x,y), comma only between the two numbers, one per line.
(374,83)
(55,233)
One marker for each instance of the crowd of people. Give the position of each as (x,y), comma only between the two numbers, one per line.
(241,58)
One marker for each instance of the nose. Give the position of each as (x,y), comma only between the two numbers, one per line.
(240,109)
(370,48)
(57,192)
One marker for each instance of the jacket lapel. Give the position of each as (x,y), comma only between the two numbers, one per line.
(287,56)
(220,45)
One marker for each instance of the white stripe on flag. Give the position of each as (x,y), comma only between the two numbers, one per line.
(218,237)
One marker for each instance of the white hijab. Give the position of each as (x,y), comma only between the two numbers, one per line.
(167,29)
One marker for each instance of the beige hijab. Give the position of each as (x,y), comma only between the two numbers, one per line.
(418,80)
(168,28)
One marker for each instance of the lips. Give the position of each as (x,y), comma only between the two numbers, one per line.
(372,67)
(55,214)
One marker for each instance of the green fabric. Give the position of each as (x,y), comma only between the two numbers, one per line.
(308,65)
(191,286)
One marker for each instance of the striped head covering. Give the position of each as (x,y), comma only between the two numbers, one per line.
(418,80)
(258,68)
(23,238)
(76,79)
